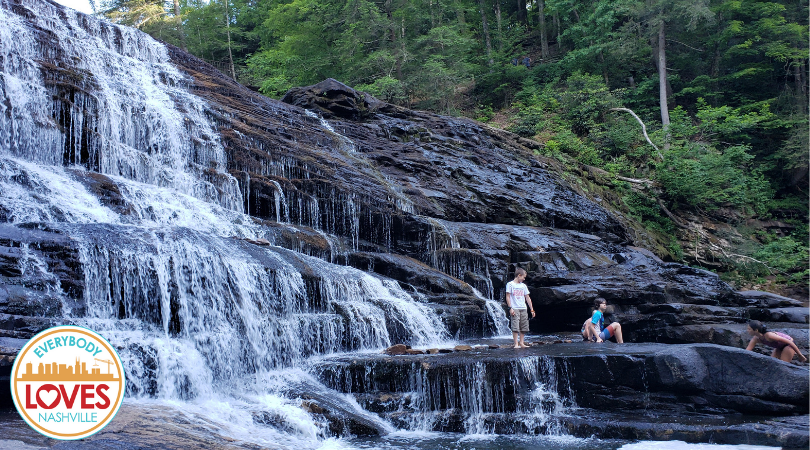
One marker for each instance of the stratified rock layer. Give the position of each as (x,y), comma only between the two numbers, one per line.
(447,207)
(631,391)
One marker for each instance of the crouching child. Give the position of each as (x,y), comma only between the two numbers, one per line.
(594,328)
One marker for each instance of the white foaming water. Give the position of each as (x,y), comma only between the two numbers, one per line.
(198,317)
(38,193)
(33,193)
(344,143)
(118,106)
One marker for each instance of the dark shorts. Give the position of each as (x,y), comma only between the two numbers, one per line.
(607,333)
(520,321)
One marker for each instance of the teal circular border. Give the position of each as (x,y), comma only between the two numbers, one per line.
(117,357)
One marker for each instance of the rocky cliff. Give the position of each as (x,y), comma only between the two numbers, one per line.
(147,195)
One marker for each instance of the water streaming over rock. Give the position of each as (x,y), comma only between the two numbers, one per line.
(103,143)
(476,396)
(119,108)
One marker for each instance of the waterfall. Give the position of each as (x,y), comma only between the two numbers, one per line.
(281,202)
(104,144)
(477,396)
(109,148)
(109,100)
(241,308)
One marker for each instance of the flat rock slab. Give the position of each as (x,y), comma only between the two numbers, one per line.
(787,432)
(690,377)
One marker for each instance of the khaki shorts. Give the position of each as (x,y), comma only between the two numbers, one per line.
(520,321)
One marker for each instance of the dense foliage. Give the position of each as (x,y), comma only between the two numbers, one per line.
(721,86)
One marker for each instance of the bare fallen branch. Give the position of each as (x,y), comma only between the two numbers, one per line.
(636,180)
(643,128)
(673,217)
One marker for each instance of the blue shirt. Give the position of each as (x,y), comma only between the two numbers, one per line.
(597,319)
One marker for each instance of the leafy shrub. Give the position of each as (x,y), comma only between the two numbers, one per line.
(387,89)
(702,176)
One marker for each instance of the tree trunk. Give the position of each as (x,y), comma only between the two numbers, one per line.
(604,68)
(179,21)
(498,19)
(401,49)
(801,88)
(662,81)
(228,31)
(716,62)
(541,18)
(485,27)
(521,11)
(558,32)
(393,28)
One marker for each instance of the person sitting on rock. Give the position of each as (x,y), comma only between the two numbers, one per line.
(517,297)
(594,328)
(782,344)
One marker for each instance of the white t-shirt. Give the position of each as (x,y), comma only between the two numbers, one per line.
(518,291)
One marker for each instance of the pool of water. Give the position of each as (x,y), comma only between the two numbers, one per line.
(156,426)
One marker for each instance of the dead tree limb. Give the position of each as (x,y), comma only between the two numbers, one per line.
(643,128)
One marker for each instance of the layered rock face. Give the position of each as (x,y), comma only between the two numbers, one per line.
(471,202)
(442,205)
(218,237)
(635,391)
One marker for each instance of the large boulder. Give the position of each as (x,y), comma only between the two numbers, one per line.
(331,98)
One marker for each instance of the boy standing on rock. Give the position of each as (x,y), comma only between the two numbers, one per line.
(517,297)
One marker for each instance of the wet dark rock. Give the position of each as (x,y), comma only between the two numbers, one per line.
(396,349)
(696,378)
(409,272)
(331,98)
(768,300)
(105,189)
(9,347)
(28,292)
(793,314)
(786,432)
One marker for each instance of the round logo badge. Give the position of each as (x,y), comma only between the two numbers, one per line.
(67,382)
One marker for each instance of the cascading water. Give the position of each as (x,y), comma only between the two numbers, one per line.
(102,142)
(476,396)
(198,315)
(121,108)
(444,252)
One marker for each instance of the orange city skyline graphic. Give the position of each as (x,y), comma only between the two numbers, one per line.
(64,372)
